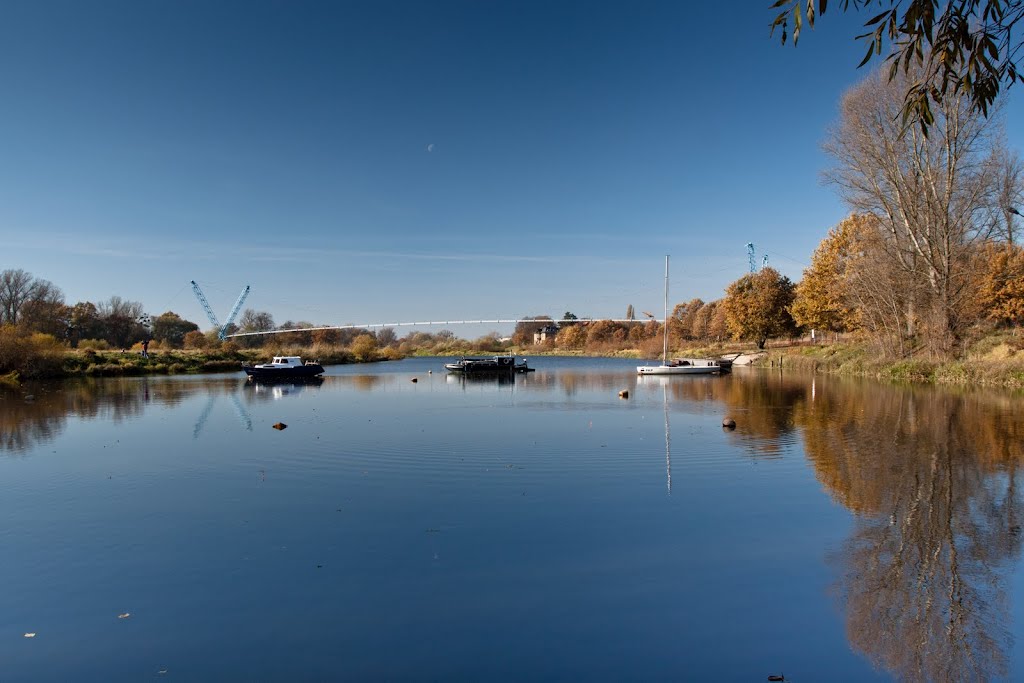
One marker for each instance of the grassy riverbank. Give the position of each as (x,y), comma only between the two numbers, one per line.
(996,360)
(66,363)
(116,363)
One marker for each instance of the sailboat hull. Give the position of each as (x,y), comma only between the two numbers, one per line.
(682,366)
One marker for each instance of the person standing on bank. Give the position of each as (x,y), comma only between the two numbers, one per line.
(145,348)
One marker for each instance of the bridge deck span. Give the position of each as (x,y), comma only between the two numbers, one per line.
(370,326)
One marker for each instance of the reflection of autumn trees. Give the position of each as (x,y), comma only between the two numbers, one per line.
(762,403)
(362,382)
(27,423)
(933,477)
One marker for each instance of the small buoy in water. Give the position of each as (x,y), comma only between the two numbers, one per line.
(623,394)
(414,380)
(280,426)
(730,423)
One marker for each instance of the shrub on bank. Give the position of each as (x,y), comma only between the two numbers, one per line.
(220,366)
(910,371)
(105,370)
(32,355)
(93,345)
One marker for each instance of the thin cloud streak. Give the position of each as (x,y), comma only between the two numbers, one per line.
(206,251)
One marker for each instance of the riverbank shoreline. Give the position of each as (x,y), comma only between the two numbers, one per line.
(993,362)
(996,360)
(95,363)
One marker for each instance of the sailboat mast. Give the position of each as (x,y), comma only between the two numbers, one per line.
(664,352)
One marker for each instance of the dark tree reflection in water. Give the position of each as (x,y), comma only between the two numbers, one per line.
(26,423)
(933,482)
(930,475)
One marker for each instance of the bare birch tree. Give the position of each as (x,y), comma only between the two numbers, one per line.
(879,291)
(1008,204)
(927,194)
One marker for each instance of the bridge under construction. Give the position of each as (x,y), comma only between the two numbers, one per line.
(438,323)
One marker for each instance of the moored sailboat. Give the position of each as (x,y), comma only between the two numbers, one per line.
(677,366)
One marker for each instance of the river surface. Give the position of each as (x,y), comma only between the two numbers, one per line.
(539,529)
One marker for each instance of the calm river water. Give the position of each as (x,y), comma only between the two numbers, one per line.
(541,529)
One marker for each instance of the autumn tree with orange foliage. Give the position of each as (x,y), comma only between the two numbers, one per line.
(572,337)
(757,306)
(604,333)
(195,340)
(821,301)
(1001,286)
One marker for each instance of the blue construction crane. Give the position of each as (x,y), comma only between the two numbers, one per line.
(222,330)
(752,261)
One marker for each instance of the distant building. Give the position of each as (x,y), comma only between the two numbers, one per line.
(544,333)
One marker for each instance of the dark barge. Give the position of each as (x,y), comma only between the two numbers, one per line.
(494,365)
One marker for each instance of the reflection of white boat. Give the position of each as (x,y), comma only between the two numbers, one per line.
(677,366)
(283,387)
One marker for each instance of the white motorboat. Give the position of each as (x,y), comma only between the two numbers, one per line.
(283,367)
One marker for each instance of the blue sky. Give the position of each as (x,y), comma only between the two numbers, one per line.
(396,161)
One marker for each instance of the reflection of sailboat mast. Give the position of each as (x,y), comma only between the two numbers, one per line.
(668,442)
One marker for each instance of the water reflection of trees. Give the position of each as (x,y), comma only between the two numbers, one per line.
(761,403)
(28,422)
(361,382)
(932,476)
